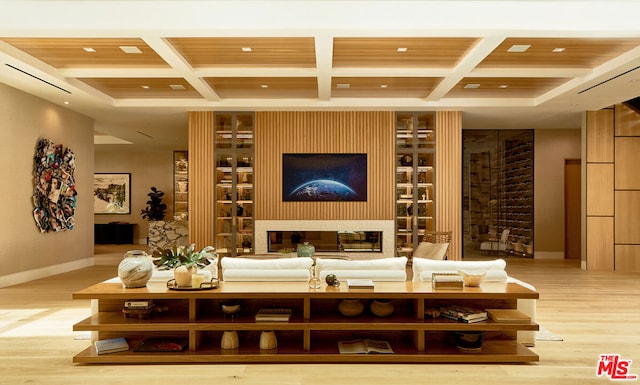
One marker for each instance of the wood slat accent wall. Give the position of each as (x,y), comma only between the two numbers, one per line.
(201,183)
(449,178)
(612,238)
(599,170)
(278,132)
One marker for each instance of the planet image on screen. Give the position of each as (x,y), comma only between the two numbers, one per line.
(323,190)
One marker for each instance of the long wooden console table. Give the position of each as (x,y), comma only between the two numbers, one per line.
(314,329)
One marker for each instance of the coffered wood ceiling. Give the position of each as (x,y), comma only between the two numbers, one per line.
(282,55)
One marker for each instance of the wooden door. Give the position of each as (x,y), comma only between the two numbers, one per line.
(572,208)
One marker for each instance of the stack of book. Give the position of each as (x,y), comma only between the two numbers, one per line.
(273,315)
(360,283)
(463,313)
(140,304)
(111,345)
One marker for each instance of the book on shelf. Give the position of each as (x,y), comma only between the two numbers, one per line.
(273,315)
(364,346)
(111,345)
(463,313)
(508,315)
(138,304)
(360,284)
(162,344)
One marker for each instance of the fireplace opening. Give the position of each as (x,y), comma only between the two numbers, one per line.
(346,241)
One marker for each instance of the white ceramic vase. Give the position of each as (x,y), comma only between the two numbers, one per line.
(229,340)
(135,269)
(268,340)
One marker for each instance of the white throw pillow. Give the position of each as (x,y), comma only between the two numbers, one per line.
(424,268)
(268,264)
(394,263)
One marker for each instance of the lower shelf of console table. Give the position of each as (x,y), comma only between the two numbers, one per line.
(316,326)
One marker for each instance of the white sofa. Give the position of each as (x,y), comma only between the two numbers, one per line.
(278,269)
(383,269)
(494,272)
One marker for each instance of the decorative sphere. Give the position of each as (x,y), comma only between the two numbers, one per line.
(331,279)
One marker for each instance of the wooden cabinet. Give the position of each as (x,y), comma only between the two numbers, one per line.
(415,168)
(234,206)
(315,327)
(181,185)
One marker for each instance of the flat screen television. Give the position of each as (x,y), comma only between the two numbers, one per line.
(324,177)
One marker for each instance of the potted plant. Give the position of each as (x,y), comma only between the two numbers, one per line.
(184,260)
(155,209)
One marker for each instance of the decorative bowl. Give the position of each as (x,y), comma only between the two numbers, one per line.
(230,308)
(472,278)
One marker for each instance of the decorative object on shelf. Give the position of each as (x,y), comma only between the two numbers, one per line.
(406,160)
(185,261)
(469,341)
(472,278)
(268,340)
(314,281)
(381,307)
(306,250)
(112,193)
(230,309)
(350,307)
(135,269)
(155,210)
(54,187)
(332,280)
(172,284)
(229,340)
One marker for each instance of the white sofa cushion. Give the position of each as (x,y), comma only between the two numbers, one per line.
(383,269)
(280,269)
(428,250)
(423,269)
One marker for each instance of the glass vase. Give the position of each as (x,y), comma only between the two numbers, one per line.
(314,281)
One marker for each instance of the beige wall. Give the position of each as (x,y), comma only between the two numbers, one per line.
(26,253)
(552,147)
(148,167)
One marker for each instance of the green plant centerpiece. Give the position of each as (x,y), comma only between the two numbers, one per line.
(184,260)
(155,210)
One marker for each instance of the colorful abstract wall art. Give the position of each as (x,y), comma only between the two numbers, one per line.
(54,192)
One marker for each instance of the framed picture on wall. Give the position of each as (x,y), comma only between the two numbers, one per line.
(112,193)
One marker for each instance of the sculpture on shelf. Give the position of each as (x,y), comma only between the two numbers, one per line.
(155,210)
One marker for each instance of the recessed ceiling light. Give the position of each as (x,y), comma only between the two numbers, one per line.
(177,87)
(343,85)
(519,48)
(66,102)
(264,86)
(130,49)
(559,49)
(246,49)
(472,85)
(89,49)
(384,85)
(145,87)
(402,49)
(503,86)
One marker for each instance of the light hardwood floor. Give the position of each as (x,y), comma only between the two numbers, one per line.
(594,313)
